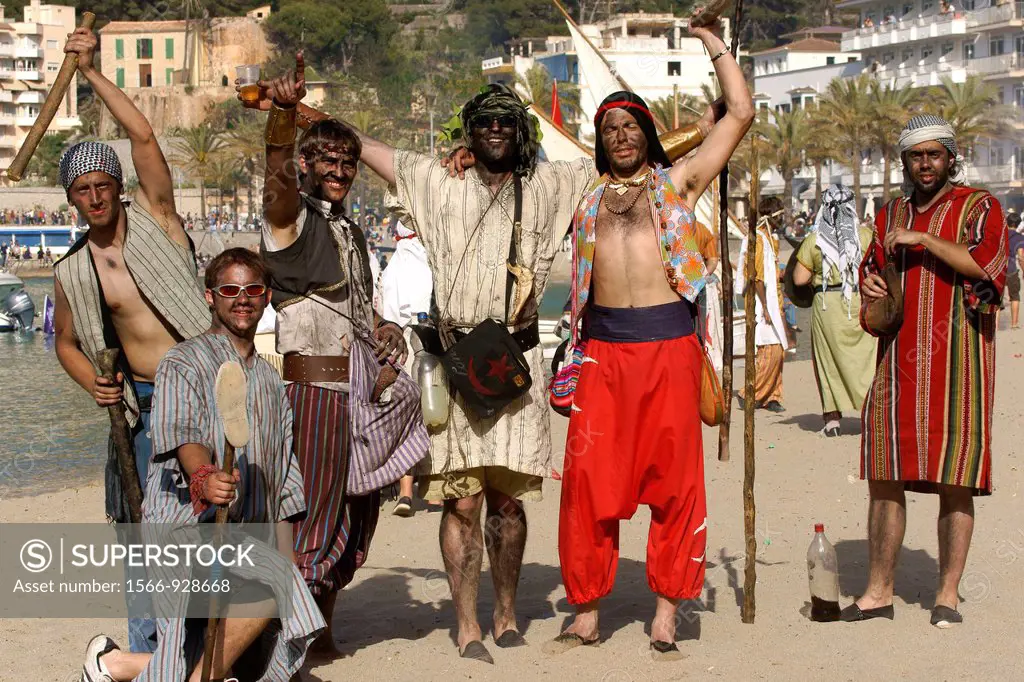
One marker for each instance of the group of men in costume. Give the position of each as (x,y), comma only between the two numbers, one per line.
(634,315)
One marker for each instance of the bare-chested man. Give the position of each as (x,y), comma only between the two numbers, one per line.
(129,282)
(635,433)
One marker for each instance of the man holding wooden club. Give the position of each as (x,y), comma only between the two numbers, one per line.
(129,282)
(189,439)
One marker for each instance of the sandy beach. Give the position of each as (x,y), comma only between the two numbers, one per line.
(395,621)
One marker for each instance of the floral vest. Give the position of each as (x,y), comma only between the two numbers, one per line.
(680,253)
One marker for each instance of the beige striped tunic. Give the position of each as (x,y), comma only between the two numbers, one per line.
(449,216)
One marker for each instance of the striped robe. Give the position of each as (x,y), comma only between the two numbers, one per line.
(927,418)
(270,490)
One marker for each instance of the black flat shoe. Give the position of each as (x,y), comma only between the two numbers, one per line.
(854,613)
(665,652)
(510,639)
(944,617)
(476,651)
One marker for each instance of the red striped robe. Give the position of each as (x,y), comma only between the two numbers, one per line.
(927,417)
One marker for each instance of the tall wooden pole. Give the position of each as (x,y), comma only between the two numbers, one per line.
(750,571)
(727,285)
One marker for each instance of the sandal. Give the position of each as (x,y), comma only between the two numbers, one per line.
(566,641)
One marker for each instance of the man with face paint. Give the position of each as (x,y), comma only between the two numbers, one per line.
(322,286)
(927,418)
(635,432)
(129,282)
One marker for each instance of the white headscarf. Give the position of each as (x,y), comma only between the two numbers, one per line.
(839,240)
(926,128)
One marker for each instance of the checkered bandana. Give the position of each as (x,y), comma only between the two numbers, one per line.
(926,128)
(86,157)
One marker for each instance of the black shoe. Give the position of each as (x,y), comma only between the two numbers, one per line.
(403,507)
(854,613)
(944,617)
(775,406)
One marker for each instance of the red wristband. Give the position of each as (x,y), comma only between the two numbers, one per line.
(197,488)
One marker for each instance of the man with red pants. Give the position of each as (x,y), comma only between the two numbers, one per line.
(635,433)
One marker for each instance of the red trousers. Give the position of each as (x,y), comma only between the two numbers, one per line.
(635,438)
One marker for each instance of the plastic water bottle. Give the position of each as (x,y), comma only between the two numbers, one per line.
(433,384)
(823,575)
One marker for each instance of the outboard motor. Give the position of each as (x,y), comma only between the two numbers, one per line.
(19,306)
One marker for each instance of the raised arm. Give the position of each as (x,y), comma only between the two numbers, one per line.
(377,155)
(156,188)
(695,174)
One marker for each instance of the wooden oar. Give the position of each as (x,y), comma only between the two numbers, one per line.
(121,434)
(53,100)
(230,394)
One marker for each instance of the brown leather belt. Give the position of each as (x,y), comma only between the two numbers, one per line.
(315,368)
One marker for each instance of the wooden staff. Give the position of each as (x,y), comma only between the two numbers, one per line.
(49,109)
(230,386)
(750,571)
(727,285)
(121,434)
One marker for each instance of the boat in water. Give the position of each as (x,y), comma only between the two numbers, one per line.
(17,311)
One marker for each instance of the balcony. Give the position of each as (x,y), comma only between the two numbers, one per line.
(6,73)
(6,96)
(28,75)
(30,97)
(25,121)
(7,50)
(999,66)
(904,31)
(7,119)
(924,73)
(1007,173)
(997,15)
(28,52)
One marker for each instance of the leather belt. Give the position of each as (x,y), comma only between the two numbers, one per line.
(527,338)
(315,368)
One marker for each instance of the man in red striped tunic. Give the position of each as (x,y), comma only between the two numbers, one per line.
(928,414)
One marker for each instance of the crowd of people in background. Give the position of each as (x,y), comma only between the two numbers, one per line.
(38,216)
(16,252)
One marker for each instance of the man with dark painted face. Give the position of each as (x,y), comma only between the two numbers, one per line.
(466,227)
(927,417)
(635,431)
(323,292)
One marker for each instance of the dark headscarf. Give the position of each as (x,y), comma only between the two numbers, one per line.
(638,109)
(500,100)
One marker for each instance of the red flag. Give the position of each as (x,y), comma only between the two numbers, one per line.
(556,110)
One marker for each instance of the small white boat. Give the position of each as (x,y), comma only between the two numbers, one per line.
(17,311)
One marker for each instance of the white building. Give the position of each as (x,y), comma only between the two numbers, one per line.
(653,53)
(790,76)
(31,53)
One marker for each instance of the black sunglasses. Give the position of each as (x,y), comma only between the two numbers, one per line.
(235,290)
(484,121)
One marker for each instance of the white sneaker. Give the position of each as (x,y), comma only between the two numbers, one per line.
(94,670)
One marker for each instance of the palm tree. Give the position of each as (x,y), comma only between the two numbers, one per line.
(537,83)
(820,148)
(787,140)
(223,175)
(245,140)
(847,106)
(195,149)
(972,108)
(689,110)
(890,108)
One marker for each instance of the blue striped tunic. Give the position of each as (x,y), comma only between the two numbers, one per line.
(270,490)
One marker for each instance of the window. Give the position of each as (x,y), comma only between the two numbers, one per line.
(851,60)
(795,102)
(145,75)
(908,8)
(926,5)
(119,78)
(52,45)
(119,48)
(969,51)
(996,155)
(888,57)
(1018,45)
(947,48)
(169,47)
(908,55)
(968,5)
(169,71)
(763,106)
(995,47)
(675,68)
(144,48)
(51,67)
(830,60)
(926,52)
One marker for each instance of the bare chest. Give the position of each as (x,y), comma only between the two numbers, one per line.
(120,292)
(626,221)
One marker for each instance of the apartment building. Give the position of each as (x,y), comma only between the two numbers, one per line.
(919,42)
(792,75)
(31,53)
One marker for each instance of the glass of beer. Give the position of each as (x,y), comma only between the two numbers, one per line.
(248,80)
